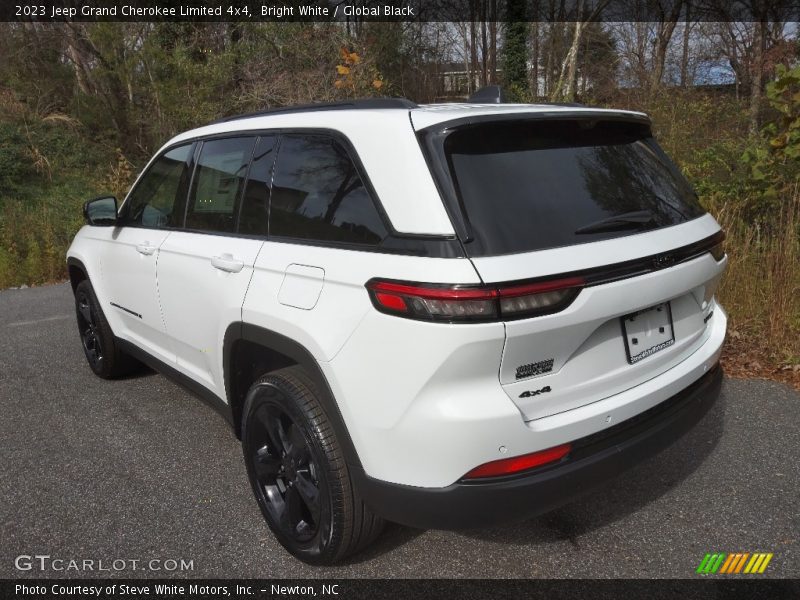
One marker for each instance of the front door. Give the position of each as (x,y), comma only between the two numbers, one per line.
(129,260)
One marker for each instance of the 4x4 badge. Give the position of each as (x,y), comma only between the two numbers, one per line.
(529,393)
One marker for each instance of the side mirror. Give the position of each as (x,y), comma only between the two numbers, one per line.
(101,211)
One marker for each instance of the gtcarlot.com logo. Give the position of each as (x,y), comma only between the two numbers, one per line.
(45,562)
(734,563)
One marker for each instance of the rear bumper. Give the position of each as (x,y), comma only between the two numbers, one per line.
(593,460)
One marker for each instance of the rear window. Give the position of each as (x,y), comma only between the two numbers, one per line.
(531,185)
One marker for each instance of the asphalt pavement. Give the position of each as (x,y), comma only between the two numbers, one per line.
(138,470)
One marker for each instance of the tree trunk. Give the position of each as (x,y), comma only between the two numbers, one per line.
(565,87)
(685,51)
(473,43)
(484,47)
(493,43)
(666,28)
(535,54)
(78,59)
(757,75)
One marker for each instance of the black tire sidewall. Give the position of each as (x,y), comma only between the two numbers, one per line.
(85,290)
(275,391)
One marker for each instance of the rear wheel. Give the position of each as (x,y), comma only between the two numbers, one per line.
(298,473)
(102,353)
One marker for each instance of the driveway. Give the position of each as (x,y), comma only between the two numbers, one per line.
(139,470)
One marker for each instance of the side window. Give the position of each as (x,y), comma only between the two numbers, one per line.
(318,194)
(152,201)
(255,202)
(218,181)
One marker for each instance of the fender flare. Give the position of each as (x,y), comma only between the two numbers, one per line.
(271,340)
(77,263)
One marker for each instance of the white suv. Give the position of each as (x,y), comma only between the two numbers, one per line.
(446,316)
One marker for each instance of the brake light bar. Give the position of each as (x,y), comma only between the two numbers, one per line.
(458,303)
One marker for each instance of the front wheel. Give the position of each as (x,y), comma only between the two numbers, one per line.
(298,472)
(102,353)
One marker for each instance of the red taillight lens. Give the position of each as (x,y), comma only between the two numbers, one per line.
(517,464)
(435,303)
(459,303)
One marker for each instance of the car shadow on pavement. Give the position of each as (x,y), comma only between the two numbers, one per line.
(393,536)
(602,506)
(140,372)
(622,496)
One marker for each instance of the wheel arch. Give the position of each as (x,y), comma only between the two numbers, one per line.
(250,351)
(77,272)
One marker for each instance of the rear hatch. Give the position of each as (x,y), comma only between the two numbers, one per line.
(589,202)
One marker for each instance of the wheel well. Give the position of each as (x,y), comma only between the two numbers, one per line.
(249,361)
(76,275)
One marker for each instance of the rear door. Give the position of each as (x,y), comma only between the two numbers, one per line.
(130,255)
(596,208)
(205,269)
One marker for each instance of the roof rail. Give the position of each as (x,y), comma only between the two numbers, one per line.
(569,104)
(365,103)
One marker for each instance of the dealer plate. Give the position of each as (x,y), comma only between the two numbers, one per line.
(648,331)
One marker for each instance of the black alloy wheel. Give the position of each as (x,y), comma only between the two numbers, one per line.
(298,471)
(99,344)
(287,476)
(87,326)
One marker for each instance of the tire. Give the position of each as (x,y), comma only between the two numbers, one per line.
(102,353)
(298,472)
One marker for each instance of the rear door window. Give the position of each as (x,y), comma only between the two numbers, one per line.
(531,185)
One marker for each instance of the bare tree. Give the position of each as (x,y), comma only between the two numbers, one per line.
(566,86)
(668,12)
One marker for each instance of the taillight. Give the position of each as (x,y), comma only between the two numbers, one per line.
(517,464)
(470,303)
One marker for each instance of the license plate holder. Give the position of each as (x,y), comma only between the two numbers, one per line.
(647,332)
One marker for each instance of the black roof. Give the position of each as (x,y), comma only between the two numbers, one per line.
(345,105)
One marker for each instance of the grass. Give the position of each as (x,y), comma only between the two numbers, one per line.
(761,292)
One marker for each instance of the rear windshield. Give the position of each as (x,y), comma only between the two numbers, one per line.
(530,185)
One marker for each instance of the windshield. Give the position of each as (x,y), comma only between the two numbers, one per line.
(530,185)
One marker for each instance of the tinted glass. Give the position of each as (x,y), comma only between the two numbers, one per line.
(318,194)
(152,202)
(532,185)
(255,202)
(218,182)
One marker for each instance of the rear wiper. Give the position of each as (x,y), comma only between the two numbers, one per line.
(636,218)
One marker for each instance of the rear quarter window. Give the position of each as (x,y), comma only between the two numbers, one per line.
(318,194)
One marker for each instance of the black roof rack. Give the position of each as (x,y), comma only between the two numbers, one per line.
(344,105)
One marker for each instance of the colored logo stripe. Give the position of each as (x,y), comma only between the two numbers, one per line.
(737,562)
(711,563)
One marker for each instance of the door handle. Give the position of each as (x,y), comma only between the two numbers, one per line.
(226,262)
(145,248)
